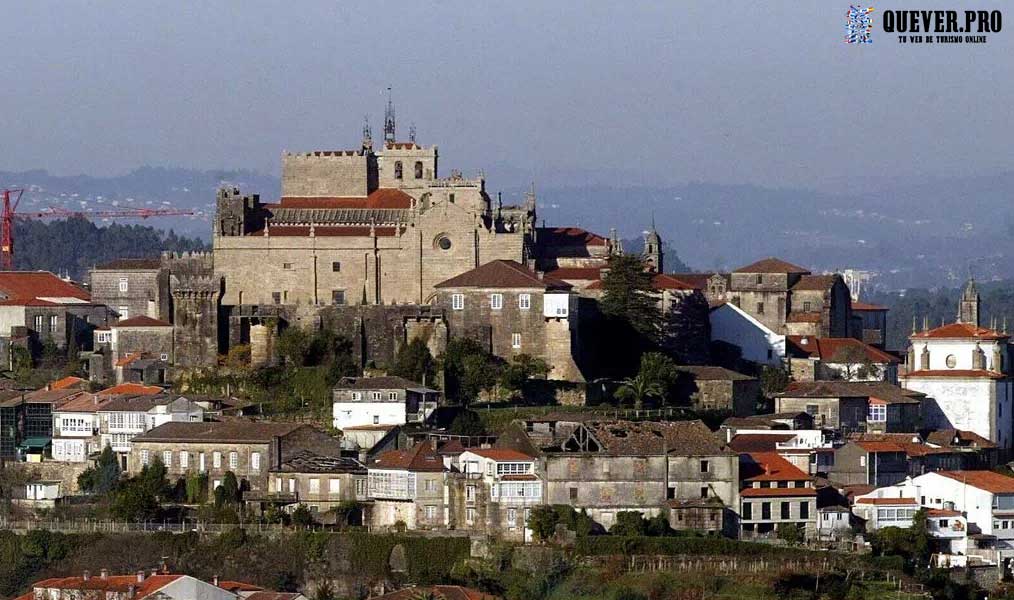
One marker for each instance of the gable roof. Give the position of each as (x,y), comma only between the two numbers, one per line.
(889,393)
(772,265)
(568,236)
(961,331)
(503,274)
(133,389)
(712,373)
(421,457)
(769,466)
(958,438)
(814,283)
(637,438)
(38,288)
(84,403)
(110,583)
(141,321)
(826,349)
(989,481)
(576,273)
(67,382)
(215,431)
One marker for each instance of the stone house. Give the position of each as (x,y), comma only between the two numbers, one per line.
(39,307)
(847,359)
(607,467)
(122,417)
(408,489)
(775,492)
(494,491)
(386,400)
(133,287)
(119,346)
(873,322)
(322,483)
(869,463)
(512,310)
(718,388)
(848,406)
(249,449)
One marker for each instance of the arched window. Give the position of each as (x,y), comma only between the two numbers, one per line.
(397,169)
(418,169)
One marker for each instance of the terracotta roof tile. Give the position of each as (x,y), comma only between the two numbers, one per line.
(772,265)
(38,288)
(962,331)
(889,501)
(576,273)
(635,438)
(758,442)
(776,492)
(67,382)
(879,447)
(568,236)
(958,438)
(956,373)
(864,306)
(505,274)
(421,457)
(814,282)
(132,389)
(111,583)
(218,431)
(827,349)
(887,392)
(769,466)
(984,480)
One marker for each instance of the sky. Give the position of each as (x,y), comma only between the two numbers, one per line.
(560,92)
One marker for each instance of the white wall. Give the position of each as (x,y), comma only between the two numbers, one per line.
(976,404)
(961,350)
(732,325)
(355,414)
(556,305)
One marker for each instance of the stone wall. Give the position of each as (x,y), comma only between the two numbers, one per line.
(147,291)
(328,174)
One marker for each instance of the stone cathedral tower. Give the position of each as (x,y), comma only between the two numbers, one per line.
(968,306)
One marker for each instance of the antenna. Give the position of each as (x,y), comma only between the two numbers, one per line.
(389,118)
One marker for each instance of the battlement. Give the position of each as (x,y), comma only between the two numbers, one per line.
(324,154)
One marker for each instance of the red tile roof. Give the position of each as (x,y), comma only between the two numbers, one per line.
(880,501)
(142,321)
(569,236)
(984,480)
(814,282)
(868,307)
(776,492)
(772,265)
(500,454)
(239,586)
(128,358)
(111,583)
(962,331)
(84,403)
(878,447)
(135,389)
(770,466)
(940,512)
(826,349)
(503,274)
(576,273)
(421,457)
(381,198)
(66,382)
(662,281)
(758,442)
(957,373)
(36,288)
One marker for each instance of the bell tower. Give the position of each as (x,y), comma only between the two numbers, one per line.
(653,249)
(968,306)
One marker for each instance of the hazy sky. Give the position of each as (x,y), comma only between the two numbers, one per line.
(758,92)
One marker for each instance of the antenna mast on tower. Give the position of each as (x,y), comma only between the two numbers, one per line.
(389,119)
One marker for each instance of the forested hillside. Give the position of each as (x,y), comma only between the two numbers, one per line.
(74,245)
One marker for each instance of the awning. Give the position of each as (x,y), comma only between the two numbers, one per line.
(35,443)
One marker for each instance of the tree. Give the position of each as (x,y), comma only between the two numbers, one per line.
(153,480)
(791,533)
(520,369)
(468,370)
(302,517)
(134,502)
(542,521)
(773,380)
(854,363)
(230,489)
(653,380)
(103,477)
(415,362)
(293,346)
(629,523)
(467,422)
(686,334)
(628,296)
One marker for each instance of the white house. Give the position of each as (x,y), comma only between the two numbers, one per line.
(510,483)
(122,418)
(76,428)
(964,370)
(758,343)
(381,401)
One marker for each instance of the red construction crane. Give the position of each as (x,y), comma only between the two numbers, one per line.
(10,208)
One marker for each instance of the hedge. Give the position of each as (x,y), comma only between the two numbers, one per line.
(607,545)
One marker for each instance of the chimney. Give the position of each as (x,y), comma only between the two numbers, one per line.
(104,573)
(86,575)
(140,576)
(214,580)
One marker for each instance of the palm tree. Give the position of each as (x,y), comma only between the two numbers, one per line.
(639,388)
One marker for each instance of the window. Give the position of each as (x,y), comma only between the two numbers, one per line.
(451,198)
(444,243)
(144,457)
(314,486)
(376,419)
(392,396)
(878,413)
(124,283)
(103,337)
(470,515)
(806,307)
(255,461)
(336,267)
(512,516)
(338,297)
(276,297)
(334,487)
(431,512)
(124,312)
(785,510)
(200,461)
(397,169)
(760,279)
(216,460)
(184,459)
(524,301)
(862,461)
(375,396)
(812,410)
(233,460)
(216,484)
(458,301)
(430,485)
(766,511)
(52,323)
(760,308)
(39,321)
(418,169)
(704,491)
(167,458)
(705,466)
(292,486)
(951,361)
(496,301)
(287,266)
(573,493)
(357,396)
(804,510)
(747,510)
(515,340)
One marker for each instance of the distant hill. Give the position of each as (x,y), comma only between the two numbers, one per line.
(72,246)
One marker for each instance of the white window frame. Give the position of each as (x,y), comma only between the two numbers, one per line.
(255,461)
(496,301)
(124,285)
(878,413)
(124,312)
(233,460)
(167,458)
(516,341)
(334,487)
(392,395)
(525,301)
(216,460)
(457,301)
(144,457)
(357,396)
(184,459)
(314,485)
(375,396)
